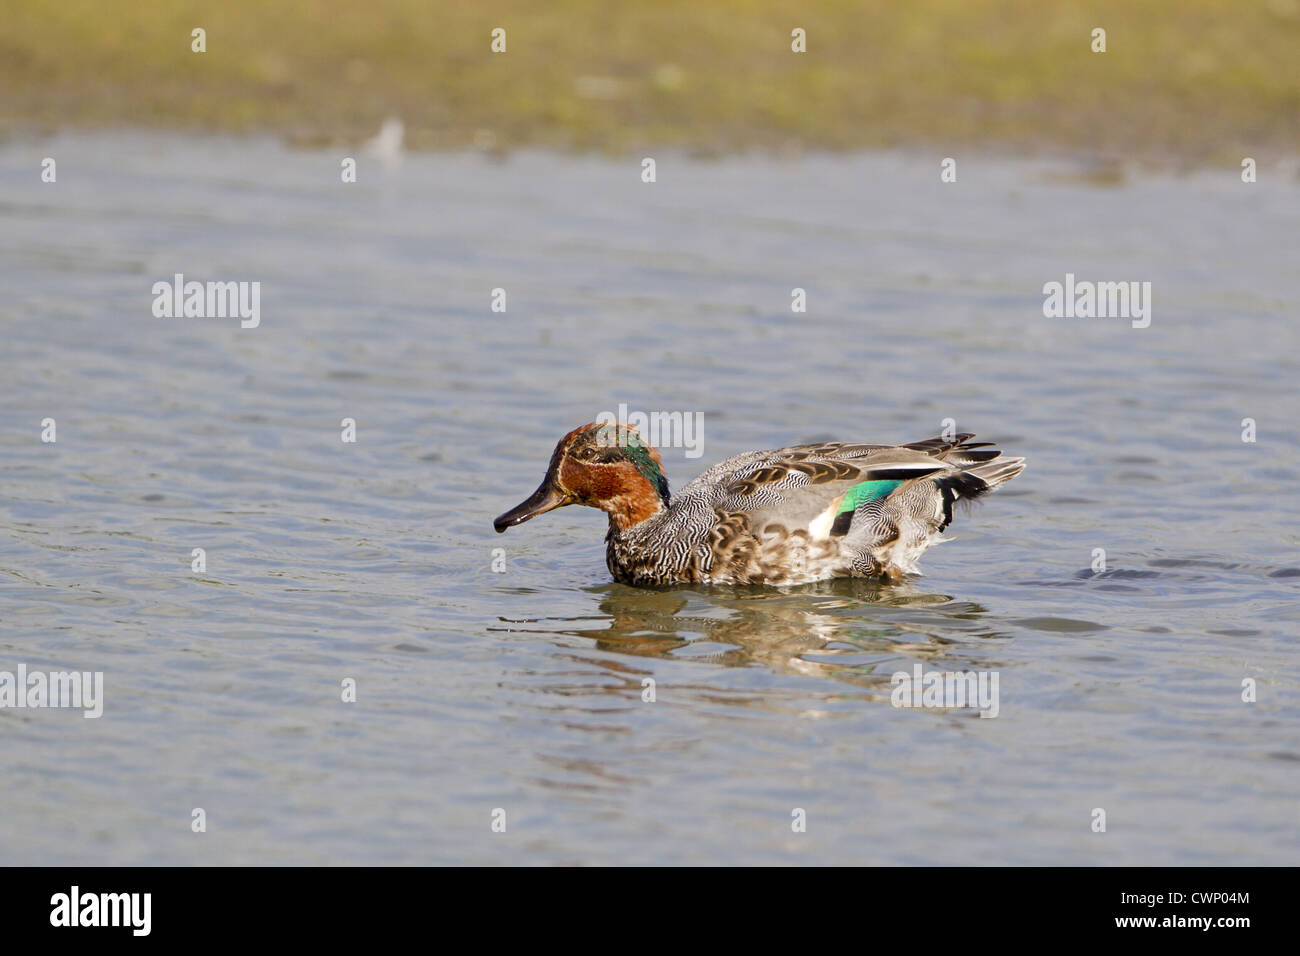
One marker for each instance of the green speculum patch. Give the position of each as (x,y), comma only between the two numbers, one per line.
(859,495)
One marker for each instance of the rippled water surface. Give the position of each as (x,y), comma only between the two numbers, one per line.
(523,690)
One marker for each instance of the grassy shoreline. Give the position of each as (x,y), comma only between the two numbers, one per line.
(1196,79)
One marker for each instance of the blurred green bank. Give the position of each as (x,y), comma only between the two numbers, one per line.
(1194,78)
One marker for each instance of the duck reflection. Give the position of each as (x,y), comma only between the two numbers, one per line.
(846,629)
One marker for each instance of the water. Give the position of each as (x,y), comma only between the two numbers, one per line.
(523,691)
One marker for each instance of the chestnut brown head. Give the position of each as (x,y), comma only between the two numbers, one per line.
(603,465)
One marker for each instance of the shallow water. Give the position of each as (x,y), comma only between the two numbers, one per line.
(523,690)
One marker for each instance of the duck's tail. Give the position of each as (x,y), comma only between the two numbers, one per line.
(982,469)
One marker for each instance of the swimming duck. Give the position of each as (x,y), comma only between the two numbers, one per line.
(789,516)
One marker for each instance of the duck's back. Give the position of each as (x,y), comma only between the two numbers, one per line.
(809,512)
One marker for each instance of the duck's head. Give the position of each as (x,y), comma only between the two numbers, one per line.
(603,465)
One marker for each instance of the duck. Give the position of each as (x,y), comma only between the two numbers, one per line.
(788,516)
